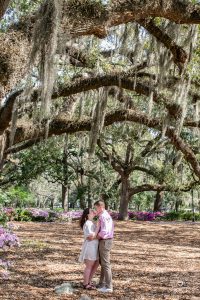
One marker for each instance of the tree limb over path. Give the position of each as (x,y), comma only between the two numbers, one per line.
(27,132)
(77,21)
(124,11)
(124,79)
(87,17)
(160,188)
(178,53)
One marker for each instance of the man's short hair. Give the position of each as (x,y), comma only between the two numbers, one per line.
(99,203)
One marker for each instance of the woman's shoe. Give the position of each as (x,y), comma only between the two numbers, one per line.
(88,287)
(92,284)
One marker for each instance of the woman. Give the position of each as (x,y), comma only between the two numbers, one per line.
(89,252)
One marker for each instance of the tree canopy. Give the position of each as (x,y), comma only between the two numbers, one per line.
(87,65)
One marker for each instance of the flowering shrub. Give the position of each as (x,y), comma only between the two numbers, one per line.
(146,216)
(140,215)
(30,214)
(10,212)
(45,215)
(70,215)
(38,214)
(8,239)
(4,265)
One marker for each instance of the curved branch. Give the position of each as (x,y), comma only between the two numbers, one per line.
(150,187)
(6,111)
(75,87)
(60,126)
(115,162)
(160,188)
(147,171)
(124,11)
(178,53)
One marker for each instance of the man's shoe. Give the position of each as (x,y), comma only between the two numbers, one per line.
(105,290)
(100,285)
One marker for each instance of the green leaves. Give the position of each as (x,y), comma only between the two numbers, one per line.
(16,196)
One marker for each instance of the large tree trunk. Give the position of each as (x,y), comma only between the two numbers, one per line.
(158,201)
(124,199)
(64,197)
(52,203)
(3,6)
(65,184)
(177,205)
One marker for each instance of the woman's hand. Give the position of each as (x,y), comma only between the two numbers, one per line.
(91,237)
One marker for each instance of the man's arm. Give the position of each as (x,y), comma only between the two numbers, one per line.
(95,235)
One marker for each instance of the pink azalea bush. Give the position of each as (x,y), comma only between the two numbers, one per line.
(10,212)
(8,239)
(45,215)
(139,216)
(70,215)
(38,213)
(132,215)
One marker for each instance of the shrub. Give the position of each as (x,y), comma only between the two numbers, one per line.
(3,217)
(182,216)
(38,214)
(172,216)
(7,240)
(22,215)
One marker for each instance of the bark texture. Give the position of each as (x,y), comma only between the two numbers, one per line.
(3,6)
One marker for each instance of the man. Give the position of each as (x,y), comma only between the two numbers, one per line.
(105,236)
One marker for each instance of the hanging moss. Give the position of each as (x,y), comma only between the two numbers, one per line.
(85,8)
(12,65)
(45,46)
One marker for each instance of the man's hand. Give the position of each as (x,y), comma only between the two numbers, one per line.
(98,237)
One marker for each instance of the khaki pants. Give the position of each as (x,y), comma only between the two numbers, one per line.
(104,253)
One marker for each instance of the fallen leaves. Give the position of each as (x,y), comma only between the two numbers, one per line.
(149,261)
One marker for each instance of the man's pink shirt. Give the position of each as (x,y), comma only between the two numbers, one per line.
(106,226)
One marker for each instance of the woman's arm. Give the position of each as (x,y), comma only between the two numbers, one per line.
(88,231)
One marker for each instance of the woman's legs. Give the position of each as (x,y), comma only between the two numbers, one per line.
(94,268)
(87,271)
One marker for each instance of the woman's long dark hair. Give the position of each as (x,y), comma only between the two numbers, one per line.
(84,217)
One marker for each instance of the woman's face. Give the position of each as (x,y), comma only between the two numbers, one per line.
(91,214)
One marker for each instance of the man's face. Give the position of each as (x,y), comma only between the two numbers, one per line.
(98,209)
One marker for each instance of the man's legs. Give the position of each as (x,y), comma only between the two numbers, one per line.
(102,278)
(104,251)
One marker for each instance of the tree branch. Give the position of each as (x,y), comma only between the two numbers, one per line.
(124,11)
(160,188)
(115,163)
(178,53)
(27,131)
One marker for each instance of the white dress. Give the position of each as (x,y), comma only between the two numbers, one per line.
(89,248)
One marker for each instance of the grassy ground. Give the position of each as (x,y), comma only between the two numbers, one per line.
(149,260)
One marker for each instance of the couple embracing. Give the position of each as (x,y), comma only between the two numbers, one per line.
(97,245)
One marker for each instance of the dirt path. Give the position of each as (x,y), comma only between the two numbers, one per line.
(150,261)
